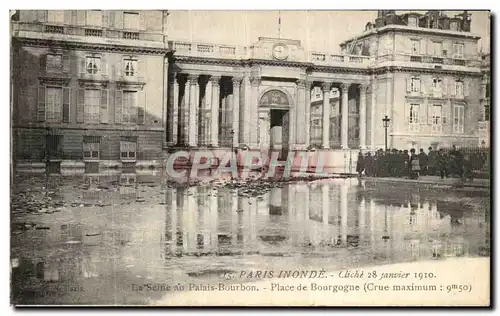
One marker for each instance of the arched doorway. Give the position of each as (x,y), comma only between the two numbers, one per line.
(275,121)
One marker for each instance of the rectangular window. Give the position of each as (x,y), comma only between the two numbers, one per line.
(486,112)
(92,105)
(458,50)
(437,49)
(94,18)
(54,146)
(131,21)
(53,104)
(458,118)
(130,107)
(93,65)
(414,117)
(55,17)
(413,21)
(128,150)
(415,85)
(437,85)
(415,46)
(454,26)
(91,148)
(53,63)
(459,89)
(437,118)
(130,67)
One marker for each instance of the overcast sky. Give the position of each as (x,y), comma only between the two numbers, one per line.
(318,30)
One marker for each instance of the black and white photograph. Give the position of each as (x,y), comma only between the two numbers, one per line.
(250,157)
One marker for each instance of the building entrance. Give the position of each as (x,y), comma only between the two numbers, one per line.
(279,132)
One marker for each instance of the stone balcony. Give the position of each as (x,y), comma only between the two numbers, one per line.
(430,62)
(88,34)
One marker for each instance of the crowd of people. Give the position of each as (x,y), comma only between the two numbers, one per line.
(410,164)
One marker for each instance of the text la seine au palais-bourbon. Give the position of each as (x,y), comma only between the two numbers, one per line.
(357,280)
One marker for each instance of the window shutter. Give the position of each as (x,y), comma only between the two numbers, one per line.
(466,88)
(42,16)
(118,16)
(444,85)
(80,17)
(118,106)
(408,84)
(103,115)
(422,47)
(66,104)
(407,113)
(66,63)
(111,18)
(141,108)
(141,69)
(41,104)
(142,20)
(446,113)
(67,17)
(423,114)
(105,18)
(43,63)
(423,89)
(80,106)
(429,114)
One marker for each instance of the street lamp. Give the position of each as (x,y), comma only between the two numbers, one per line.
(386,121)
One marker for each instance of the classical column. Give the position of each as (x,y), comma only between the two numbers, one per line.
(372,109)
(173,112)
(344,88)
(208,112)
(193,110)
(167,132)
(307,125)
(214,120)
(254,104)
(301,119)
(184,108)
(362,116)
(245,112)
(326,87)
(236,110)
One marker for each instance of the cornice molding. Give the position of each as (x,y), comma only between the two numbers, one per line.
(390,69)
(60,81)
(91,46)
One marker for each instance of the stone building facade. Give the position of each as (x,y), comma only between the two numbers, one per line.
(485,114)
(88,88)
(422,71)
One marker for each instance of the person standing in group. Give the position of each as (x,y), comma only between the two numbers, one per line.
(432,162)
(423,159)
(360,164)
(442,164)
(414,165)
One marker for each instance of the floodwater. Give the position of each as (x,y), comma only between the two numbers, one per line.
(96,238)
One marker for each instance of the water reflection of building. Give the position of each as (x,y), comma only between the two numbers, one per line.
(202,220)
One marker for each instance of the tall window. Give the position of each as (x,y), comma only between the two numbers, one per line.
(91,149)
(413,21)
(131,21)
(55,16)
(93,65)
(130,67)
(53,63)
(437,85)
(130,107)
(458,118)
(53,104)
(128,150)
(92,105)
(414,117)
(459,89)
(458,50)
(486,112)
(415,46)
(437,118)
(437,49)
(94,18)
(415,85)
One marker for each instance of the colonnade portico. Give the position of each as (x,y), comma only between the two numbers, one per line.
(227,111)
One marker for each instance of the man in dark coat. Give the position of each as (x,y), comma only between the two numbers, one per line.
(422,159)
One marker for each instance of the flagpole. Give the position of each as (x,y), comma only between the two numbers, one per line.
(279,24)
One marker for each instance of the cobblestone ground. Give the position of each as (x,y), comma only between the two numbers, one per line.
(91,240)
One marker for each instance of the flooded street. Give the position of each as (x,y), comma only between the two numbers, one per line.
(95,239)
